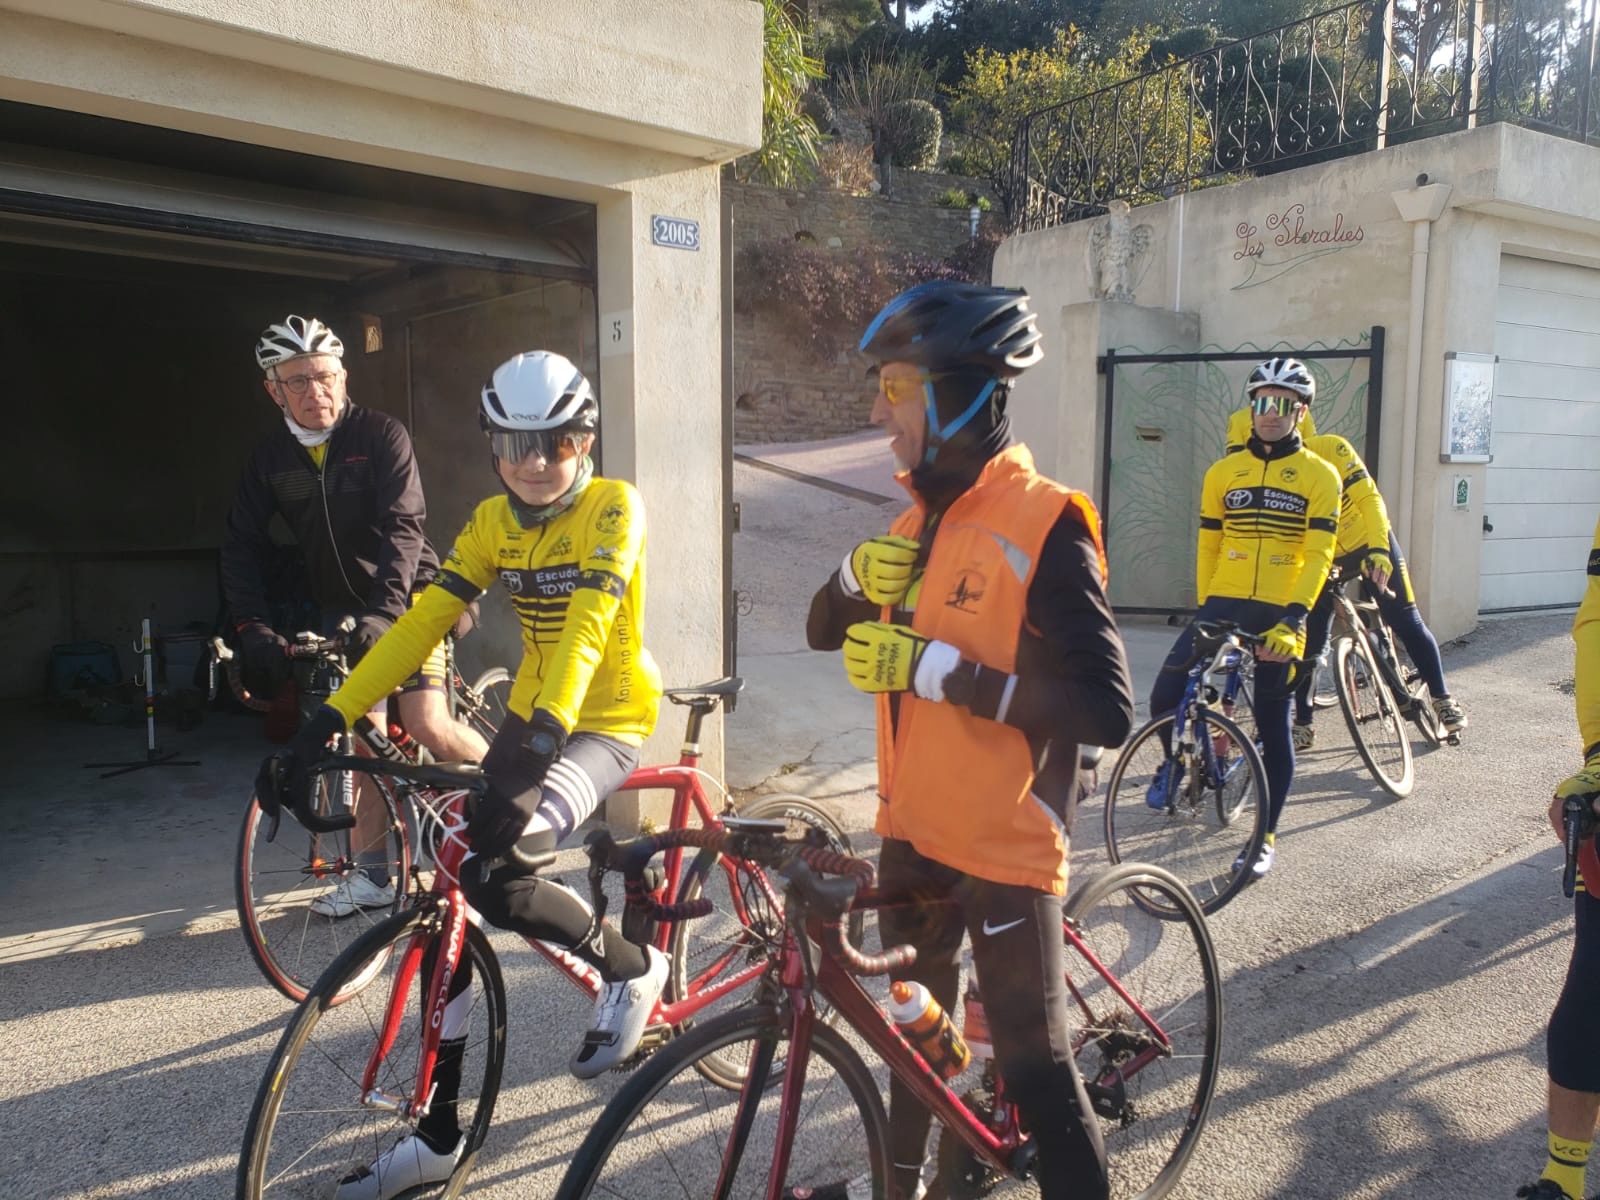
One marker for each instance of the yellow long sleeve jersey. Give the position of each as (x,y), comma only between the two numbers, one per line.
(1267,525)
(577,585)
(1363,517)
(1586,633)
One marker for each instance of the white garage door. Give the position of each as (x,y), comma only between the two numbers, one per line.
(1542,493)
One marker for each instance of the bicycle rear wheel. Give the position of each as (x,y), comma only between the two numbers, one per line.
(1373,717)
(484,705)
(745,925)
(275,882)
(1209,830)
(1148,1060)
(667,1135)
(309,1129)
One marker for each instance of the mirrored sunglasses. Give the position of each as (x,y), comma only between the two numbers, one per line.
(552,445)
(1281,405)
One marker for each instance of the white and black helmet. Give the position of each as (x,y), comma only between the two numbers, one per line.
(1288,373)
(534,400)
(294,337)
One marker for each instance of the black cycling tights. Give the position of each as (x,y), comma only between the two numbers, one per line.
(1572,1053)
(1022,973)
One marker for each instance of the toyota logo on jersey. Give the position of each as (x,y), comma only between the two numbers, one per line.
(1238,498)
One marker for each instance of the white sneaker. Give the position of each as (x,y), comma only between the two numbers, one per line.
(352,894)
(621,1012)
(409,1163)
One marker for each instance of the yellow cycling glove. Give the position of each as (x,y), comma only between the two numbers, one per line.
(880,657)
(880,568)
(1378,561)
(1284,639)
(1585,784)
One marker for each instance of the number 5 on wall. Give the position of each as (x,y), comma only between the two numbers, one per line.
(616,333)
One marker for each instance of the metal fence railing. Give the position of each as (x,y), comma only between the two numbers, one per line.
(1348,79)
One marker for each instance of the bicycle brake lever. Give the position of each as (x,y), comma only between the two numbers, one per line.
(1572,830)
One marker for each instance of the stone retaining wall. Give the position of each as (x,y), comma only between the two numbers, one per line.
(781,392)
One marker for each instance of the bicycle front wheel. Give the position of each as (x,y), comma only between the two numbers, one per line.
(1202,816)
(745,925)
(310,1127)
(1373,717)
(1150,1037)
(277,882)
(484,705)
(667,1135)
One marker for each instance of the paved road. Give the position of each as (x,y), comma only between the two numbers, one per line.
(1386,986)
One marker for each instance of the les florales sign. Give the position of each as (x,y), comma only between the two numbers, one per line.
(1287,239)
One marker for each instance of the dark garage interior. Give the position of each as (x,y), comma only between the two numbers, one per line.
(136,270)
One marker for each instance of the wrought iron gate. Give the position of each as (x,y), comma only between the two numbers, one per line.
(1166,418)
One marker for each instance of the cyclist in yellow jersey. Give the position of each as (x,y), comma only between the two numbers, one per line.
(569,548)
(1366,545)
(1572,1054)
(1269,514)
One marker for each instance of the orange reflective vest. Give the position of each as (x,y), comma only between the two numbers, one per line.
(957,787)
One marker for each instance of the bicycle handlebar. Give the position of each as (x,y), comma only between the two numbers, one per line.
(798,862)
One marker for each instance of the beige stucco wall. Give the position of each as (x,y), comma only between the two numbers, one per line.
(1214,254)
(621,103)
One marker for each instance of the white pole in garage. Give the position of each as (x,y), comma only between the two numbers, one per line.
(154,756)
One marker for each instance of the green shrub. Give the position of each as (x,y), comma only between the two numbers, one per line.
(960,198)
(909,133)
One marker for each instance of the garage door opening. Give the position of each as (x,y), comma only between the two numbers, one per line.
(133,285)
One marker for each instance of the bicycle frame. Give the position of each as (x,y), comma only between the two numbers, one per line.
(999,1141)
(689,797)
(1224,666)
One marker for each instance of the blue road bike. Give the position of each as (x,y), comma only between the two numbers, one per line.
(1189,791)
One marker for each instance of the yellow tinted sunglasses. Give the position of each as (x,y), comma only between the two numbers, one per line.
(902,388)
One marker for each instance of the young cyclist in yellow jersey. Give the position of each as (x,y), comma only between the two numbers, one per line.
(569,548)
(1572,1055)
(1269,514)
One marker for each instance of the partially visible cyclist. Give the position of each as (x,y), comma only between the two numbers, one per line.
(1269,516)
(1366,546)
(981,624)
(1572,1054)
(568,546)
(344,479)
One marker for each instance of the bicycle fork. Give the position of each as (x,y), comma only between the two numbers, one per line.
(436,1001)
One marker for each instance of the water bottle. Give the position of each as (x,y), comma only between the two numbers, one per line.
(928,1028)
(975,1021)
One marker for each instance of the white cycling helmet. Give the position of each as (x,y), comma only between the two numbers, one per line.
(1288,373)
(295,337)
(534,401)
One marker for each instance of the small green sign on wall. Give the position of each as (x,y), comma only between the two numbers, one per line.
(1463,491)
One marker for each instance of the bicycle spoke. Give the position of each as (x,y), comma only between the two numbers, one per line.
(1151,1108)
(672,1134)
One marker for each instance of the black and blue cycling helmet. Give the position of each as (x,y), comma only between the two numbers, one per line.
(969,339)
(946,325)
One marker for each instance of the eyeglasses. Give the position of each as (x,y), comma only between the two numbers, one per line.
(900,388)
(552,445)
(298,384)
(1281,405)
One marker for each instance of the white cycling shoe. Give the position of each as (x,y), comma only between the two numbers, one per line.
(352,894)
(409,1163)
(621,1012)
